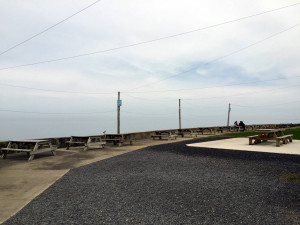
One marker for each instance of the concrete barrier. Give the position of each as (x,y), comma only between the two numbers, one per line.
(60,142)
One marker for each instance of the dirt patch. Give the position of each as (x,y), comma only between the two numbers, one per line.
(291,177)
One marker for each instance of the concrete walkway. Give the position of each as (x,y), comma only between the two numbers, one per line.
(242,144)
(22,180)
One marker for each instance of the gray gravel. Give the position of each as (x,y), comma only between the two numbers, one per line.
(172,184)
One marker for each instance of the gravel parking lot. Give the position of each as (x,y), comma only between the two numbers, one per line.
(173,184)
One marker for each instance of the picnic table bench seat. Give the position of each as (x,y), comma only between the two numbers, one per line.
(251,138)
(203,129)
(30,147)
(187,132)
(87,141)
(164,135)
(118,139)
(284,139)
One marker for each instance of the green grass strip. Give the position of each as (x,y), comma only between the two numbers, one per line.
(295,132)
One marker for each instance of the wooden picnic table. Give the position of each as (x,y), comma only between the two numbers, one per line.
(118,139)
(87,141)
(187,132)
(208,129)
(31,147)
(270,134)
(166,135)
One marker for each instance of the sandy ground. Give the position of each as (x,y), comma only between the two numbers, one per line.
(173,184)
(22,180)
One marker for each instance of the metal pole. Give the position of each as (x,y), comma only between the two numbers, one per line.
(229,109)
(118,113)
(179,114)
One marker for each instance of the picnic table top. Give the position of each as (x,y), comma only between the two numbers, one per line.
(270,130)
(87,136)
(124,134)
(76,136)
(30,141)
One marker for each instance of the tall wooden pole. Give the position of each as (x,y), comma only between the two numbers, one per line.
(119,106)
(179,114)
(229,109)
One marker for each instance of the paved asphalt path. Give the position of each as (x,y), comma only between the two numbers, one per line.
(173,184)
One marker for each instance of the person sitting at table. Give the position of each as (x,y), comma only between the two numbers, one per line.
(236,124)
(242,126)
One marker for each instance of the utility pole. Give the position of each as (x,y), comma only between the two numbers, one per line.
(229,109)
(179,114)
(119,103)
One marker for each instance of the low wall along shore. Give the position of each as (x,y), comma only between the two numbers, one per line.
(60,142)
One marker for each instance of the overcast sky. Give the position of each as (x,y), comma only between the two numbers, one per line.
(251,63)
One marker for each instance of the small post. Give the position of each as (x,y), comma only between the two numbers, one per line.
(179,114)
(229,109)
(119,107)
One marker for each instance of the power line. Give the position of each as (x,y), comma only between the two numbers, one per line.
(52,113)
(43,31)
(226,85)
(245,93)
(139,92)
(187,99)
(149,41)
(284,103)
(59,91)
(216,59)
(150,114)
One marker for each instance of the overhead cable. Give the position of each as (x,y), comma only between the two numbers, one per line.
(251,106)
(52,113)
(149,41)
(245,93)
(139,92)
(216,59)
(191,89)
(43,31)
(58,91)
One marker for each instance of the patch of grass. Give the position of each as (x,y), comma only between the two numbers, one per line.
(295,132)
(237,134)
(292,177)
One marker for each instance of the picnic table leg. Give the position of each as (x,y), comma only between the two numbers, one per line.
(52,149)
(278,142)
(3,154)
(31,157)
(86,145)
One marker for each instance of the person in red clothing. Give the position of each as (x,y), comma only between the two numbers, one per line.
(236,124)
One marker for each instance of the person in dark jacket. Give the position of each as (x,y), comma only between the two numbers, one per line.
(242,126)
